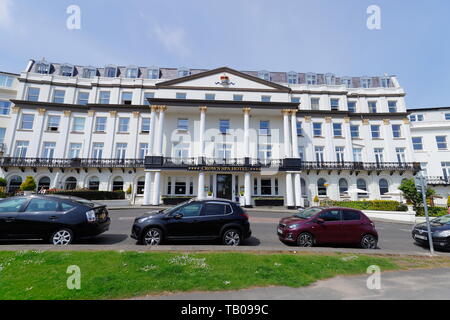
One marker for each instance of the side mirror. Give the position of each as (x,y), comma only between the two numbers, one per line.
(319,221)
(177,216)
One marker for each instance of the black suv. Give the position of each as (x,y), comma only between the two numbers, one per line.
(194,220)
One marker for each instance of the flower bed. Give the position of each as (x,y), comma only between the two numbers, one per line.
(380,205)
(432,211)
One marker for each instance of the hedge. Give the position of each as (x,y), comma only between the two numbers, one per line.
(433,211)
(93,195)
(380,205)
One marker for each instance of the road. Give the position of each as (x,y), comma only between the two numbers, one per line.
(394,237)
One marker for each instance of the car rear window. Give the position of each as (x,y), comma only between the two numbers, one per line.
(67,206)
(216,209)
(349,215)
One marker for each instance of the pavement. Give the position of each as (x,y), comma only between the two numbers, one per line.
(419,284)
(395,238)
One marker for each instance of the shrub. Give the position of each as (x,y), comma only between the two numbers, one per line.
(28,185)
(92,194)
(3,182)
(316,199)
(129,190)
(381,205)
(432,211)
(448,201)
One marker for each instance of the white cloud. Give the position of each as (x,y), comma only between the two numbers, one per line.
(172,38)
(5,13)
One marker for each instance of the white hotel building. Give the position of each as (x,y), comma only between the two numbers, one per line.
(258,136)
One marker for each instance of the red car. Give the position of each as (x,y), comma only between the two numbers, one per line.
(319,225)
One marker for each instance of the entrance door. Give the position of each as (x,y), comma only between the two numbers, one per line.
(224,186)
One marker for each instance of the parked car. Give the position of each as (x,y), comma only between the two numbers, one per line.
(194,220)
(320,225)
(440,232)
(58,219)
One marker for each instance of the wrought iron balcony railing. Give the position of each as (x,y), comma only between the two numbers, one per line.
(71,163)
(434,181)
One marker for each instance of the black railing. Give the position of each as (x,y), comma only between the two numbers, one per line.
(438,180)
(71,163)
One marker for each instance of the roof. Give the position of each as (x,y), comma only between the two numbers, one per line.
(429,109)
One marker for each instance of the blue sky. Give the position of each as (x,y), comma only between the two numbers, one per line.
(300,35)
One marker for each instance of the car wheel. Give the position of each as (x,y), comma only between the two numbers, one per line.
(305,239)
(369,242)
(62,237)
(152,237)
(231,237)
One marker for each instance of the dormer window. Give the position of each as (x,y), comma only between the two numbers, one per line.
(67,70)
(43,67)
(366,82)
(385,82)
(311,78)
(330,79)
(265,75)
(292,77)
(132,72)
(153,73)
(89,72)
(111,72)
(346,81)
(183,72)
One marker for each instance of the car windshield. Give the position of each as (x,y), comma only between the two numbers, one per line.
(442,220)
(308,213)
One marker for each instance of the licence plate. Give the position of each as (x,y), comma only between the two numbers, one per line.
(280,231)
(418,236)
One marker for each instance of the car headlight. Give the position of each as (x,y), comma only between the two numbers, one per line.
(442,234)
(141,220)
(293,226)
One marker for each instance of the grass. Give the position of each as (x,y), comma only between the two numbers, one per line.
(113,274)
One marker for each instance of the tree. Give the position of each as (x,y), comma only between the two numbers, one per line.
(408,187)
(28,185)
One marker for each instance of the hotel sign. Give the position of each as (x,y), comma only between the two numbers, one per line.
(224,168)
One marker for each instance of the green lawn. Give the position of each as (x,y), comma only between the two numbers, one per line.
(112,274)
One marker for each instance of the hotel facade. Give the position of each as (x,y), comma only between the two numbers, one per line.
(168,134)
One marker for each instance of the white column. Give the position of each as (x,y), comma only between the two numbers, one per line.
(156,188)
(151,134)
(248,189)
(247,132)
(159,132)
(289,191)
(148,188)
(295,153)
(201,185)
(287,137)
(298,190)
(202,130)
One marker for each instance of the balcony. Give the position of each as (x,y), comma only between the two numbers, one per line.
(438,181)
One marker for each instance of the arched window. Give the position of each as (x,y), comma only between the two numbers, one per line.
(264,74)
(183,72)
(70,184)
(292,77)
(89,72)
(321,188)
(43,67)
(343,186)
(361,184)
(111,71)
(330,79)
(153,73)
(311,78)
(132,72)
(384,186)
(303,185)
(14,184)
(67,70)
(94,184)
(140,185)
(44,183)
(117,184)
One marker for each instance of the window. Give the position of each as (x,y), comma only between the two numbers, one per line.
(330,79)
(153,73)
(224,126)
(295,99)
(5,107)
(292,77)
(447,116)
(264,151)
(117,184)
(384,186)
(224,150)
(78,124)
(181,95)
(264,127)
(214,209)
(397,130)
(319,154)
(43,183)
(123,125)
(183,72)
(343,186)
(140,187)
(351,105)
(48,150)
(13,187)
(89,73)
(110,72)
(127,97)
(366,82)
(238,97)
(301,152)
(354,130)
(339,154)
(143,150)
(299,128)
(346,81)
(33,94)
(379,155)
(53,123)
(423,168)
(416,117)
(43,67)
(2,135)
(417,143)
(148,95)
(58,96)
(21,149)
(372,106)
(145,125)
(94,184)
(337,129)
(132,72)
(317,129)
(190,210)
(392,105)
(210,96)
(334,104)
(350,215)
(375,131)
(74,150)
(180,186)
(441,142)
(100,124)
(266,187)
(183,124)
(265,75)
(27,121)
(42,205)
(97,150)
(6,81)
(446,169)
(385,82)
(401,156)
(12,205)
(181,150)
(104,97)
(357,155)
(315,103)
(331,215)
(121,150)
(265,98)
(321,187)
(311,78)
(83,98)
(67,70)
(361,185)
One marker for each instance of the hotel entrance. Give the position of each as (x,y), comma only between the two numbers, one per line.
(224,186)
